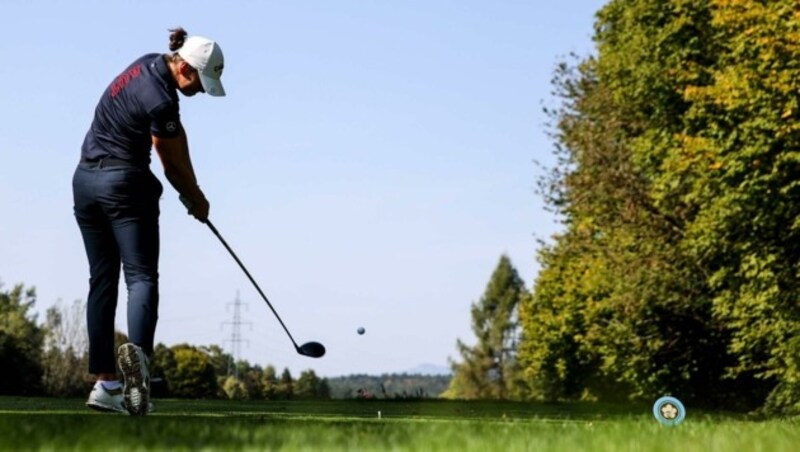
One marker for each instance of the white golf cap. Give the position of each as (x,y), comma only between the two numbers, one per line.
(205,55)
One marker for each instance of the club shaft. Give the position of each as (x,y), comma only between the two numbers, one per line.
(225,244)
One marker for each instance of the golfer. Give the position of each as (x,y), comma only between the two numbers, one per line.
(116,205)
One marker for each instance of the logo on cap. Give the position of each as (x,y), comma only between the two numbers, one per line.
(171,126)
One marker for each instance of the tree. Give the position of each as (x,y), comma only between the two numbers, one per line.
(234,388)
(193,375)
(677,153)
(251,377)
(66,350)
(162,363)
(223,362)
(746,126)
(20,343)
(619,306)
(489,368)
(269,383)
(285,389)
(307,385)
(323,389)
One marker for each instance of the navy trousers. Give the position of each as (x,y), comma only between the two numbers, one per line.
(117,211)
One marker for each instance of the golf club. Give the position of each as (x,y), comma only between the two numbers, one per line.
(310,349)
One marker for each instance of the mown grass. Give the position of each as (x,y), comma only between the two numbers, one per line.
(52,424)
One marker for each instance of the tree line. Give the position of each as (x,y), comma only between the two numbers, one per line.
(388,386)
(52,359)
(677,181)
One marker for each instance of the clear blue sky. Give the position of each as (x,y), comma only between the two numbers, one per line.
(370,164)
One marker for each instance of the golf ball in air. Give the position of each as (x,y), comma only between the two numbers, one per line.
(361,330)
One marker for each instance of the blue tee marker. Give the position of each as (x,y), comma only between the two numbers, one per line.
(669,411)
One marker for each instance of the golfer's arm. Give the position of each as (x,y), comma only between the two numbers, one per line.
(174,155)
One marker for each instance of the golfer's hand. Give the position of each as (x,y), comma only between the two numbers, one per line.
(199,209)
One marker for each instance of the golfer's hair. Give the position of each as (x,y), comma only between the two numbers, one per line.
(177,36)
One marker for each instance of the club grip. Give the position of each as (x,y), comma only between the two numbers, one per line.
(186,203)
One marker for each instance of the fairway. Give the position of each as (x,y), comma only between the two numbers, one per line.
(36,423)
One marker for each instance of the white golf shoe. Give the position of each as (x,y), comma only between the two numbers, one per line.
(102,399)
(136,377)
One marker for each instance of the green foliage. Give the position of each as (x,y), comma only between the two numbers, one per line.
(208,372)
(193,375)
(162,363)
(678,268)
(489,368)
(269,383)
(748,232)
(251,377)
(234,388)
(310,386)
(223,362)
(323,389)
(20,343)
(553,322)
(285,388)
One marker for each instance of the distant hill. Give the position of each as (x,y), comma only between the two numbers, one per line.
(429,369)
(388,386)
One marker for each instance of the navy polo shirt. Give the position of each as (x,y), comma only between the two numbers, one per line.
(141,101)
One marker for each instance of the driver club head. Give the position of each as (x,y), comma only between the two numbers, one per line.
(312,349)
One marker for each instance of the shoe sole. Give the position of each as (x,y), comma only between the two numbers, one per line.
(134,381)
(104,408)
